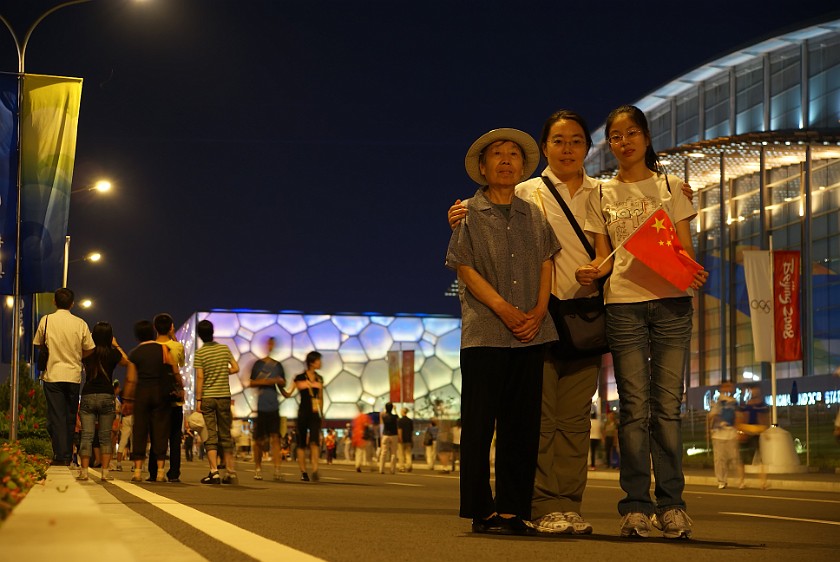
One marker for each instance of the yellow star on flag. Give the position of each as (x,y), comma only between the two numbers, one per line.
(658,224)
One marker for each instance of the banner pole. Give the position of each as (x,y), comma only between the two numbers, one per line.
(773,413)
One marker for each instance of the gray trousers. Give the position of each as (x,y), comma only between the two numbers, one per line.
(568,387)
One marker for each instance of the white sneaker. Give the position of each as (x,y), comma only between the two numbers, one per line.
(553,523)
(580,525)
(636,524)
(674,523)
(258,474)
(721,485)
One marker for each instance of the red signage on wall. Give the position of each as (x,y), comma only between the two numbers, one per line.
(408,376)
(394,376)
(788,337)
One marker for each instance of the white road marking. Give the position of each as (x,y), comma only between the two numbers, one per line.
(244,541)
(760,515)
(743,495)
(404,484)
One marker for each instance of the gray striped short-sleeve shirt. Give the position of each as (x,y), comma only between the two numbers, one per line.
(214,358)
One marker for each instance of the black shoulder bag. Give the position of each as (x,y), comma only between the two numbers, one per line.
(44,352)
(582,322)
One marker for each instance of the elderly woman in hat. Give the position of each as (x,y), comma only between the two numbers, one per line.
(502,253)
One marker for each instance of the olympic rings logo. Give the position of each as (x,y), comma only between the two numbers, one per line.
(761,305)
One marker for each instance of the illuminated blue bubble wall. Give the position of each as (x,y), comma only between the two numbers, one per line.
(354,352)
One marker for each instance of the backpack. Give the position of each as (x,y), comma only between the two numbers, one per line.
(428,439)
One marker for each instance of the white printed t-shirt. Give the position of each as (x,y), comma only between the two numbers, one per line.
(621,209)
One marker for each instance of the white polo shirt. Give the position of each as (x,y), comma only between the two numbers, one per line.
(573,254)
(66,337)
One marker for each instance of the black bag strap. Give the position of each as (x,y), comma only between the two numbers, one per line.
(46,325)
(572,220)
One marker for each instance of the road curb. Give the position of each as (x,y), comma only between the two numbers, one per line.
(774,482)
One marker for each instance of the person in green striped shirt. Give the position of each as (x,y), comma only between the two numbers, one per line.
(213,364)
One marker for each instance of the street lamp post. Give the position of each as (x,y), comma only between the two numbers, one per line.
(17,320)
(102,186)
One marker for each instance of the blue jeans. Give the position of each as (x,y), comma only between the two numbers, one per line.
(96,408)
(650,344)
(62,405)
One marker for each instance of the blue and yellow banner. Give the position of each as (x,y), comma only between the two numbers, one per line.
(49,121)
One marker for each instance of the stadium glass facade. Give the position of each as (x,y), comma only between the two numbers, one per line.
(757,135)
(354,350)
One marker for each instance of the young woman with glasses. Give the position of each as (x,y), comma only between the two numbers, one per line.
(649,324)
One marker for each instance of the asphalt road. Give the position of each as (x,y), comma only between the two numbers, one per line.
(350,516)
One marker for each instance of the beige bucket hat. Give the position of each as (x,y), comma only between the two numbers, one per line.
(523,139)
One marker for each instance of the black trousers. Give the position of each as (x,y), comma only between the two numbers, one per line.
(62,407)
(151,417)
(501,390)
(176,428)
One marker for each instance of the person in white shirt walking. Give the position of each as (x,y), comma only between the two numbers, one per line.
(67,339)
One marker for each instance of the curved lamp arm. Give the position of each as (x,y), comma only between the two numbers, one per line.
(21,46)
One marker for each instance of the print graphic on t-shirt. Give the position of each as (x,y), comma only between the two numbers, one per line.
(629,214)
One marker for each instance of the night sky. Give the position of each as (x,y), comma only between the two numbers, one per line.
(280,155)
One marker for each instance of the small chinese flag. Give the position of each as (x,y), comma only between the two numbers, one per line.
(656,245)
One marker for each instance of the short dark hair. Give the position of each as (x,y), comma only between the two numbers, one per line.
(389,407)
(163,323)
(64,298)
(311,357)
(144,331)
(204,329)
(568,115)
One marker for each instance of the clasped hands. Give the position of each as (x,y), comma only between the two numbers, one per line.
(523,325)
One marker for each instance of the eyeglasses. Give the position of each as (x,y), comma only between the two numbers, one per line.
(628,136)
(574,143)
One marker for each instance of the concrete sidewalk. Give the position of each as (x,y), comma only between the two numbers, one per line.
(62,516)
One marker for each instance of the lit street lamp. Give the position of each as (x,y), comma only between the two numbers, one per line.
(91,257)
(86,303)
(102,186)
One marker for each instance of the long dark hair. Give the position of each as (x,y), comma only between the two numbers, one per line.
(103,336)
(638,117)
